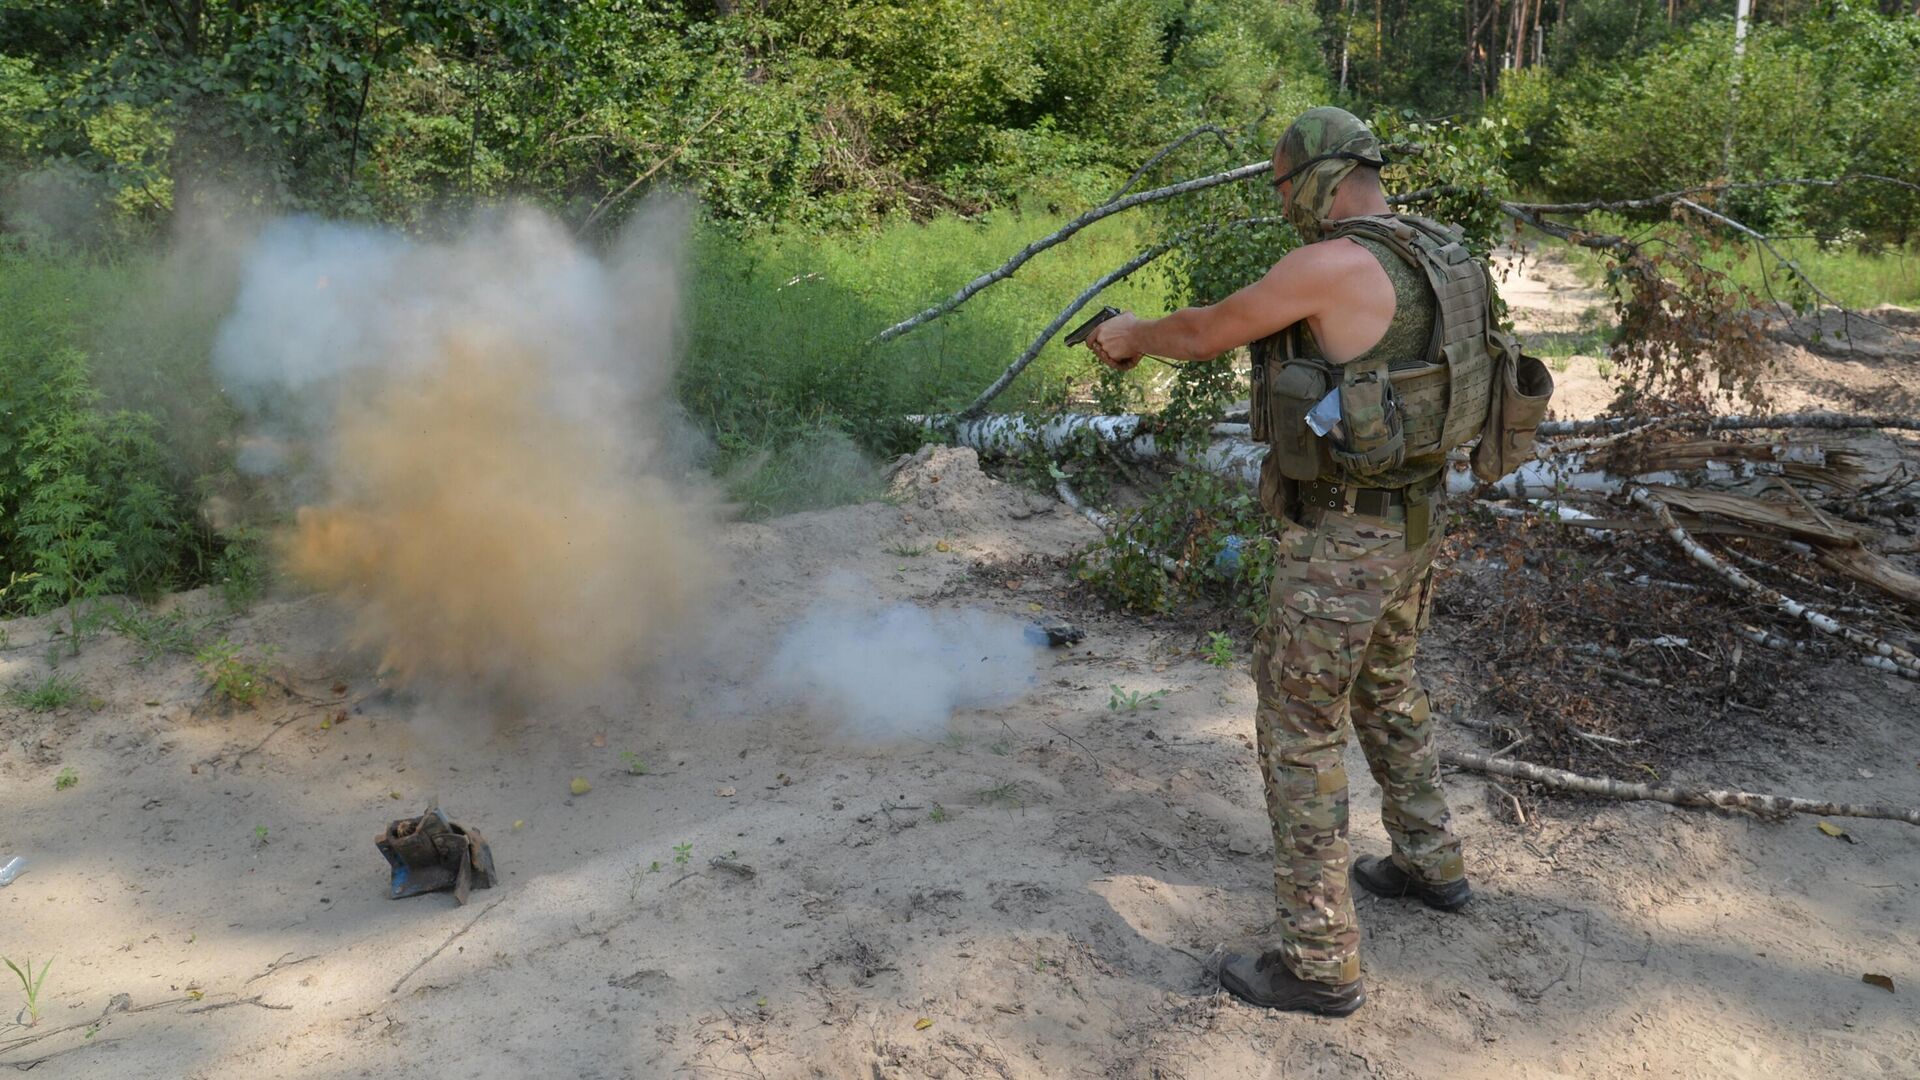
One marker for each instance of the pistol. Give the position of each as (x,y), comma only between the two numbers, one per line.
(1079,333)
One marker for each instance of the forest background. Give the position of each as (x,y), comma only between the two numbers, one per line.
(852,161)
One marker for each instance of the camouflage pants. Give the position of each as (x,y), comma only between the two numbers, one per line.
(1348,604)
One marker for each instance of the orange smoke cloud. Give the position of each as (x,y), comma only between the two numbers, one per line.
(483,538)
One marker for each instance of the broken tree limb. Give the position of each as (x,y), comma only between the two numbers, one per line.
(1107,524)
(1766,243)
(1160,155)
(1557,512)
(1533,214)
(1820,421)
(1873,569)
(1006,269)
(1775,641)
(1775,805)
(1795,521)
(1900,657)
(1106,280)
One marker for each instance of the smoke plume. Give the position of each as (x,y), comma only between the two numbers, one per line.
(901,670)
(480,441)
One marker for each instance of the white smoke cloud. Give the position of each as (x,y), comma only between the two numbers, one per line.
(901,670)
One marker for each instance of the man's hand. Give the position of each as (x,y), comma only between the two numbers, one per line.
(1112,342)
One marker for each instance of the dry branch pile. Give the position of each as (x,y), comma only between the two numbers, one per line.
(1626,601)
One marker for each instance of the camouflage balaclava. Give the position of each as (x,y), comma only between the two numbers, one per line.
(1320,148)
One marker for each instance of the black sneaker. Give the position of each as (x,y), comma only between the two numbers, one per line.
(1381,876)
(1265,981)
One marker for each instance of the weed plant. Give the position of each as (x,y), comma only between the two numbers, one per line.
(230,674)
(30,985)
(1131,700)
(1006,793)
(99,456)
(1220,649)
(50,693)
(157,635)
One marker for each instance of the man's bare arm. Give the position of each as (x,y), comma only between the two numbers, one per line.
(1299,286)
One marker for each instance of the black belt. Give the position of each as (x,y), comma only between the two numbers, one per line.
(1375,502)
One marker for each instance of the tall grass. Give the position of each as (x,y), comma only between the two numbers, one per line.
(781,371)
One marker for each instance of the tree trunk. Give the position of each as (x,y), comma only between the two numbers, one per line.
(1346,38)
(359,114)
(1733,98)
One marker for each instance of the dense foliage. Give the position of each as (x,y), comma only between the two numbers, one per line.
(822,110)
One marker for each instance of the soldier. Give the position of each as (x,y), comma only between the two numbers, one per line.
(1391,314)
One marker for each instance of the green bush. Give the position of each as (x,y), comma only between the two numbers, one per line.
(1823,97)
(1214,526)
(92,500)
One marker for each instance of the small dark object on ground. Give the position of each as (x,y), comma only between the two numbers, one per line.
(1055,634)
(430,853)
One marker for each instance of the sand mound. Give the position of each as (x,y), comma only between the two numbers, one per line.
(942,493)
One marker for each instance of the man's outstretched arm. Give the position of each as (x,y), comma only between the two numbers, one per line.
(1296,288)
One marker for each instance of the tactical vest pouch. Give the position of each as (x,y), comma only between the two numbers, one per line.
(1422,392)
(1373,440)
(1514,411)
(1293,389)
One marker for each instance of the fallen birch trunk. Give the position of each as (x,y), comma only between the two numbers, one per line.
(1901,658)
(1775,641)
(1234,454)
(1007,435)
(1776,805)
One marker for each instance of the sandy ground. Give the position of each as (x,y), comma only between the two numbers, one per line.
(1027,892)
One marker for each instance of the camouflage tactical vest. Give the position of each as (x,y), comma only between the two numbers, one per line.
(1421,391)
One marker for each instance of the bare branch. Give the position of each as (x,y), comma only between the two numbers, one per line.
(1161,154)
(1124,270)
(611,200)
(1598,241)
(438,949)
(1563,780)
(1006,269)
